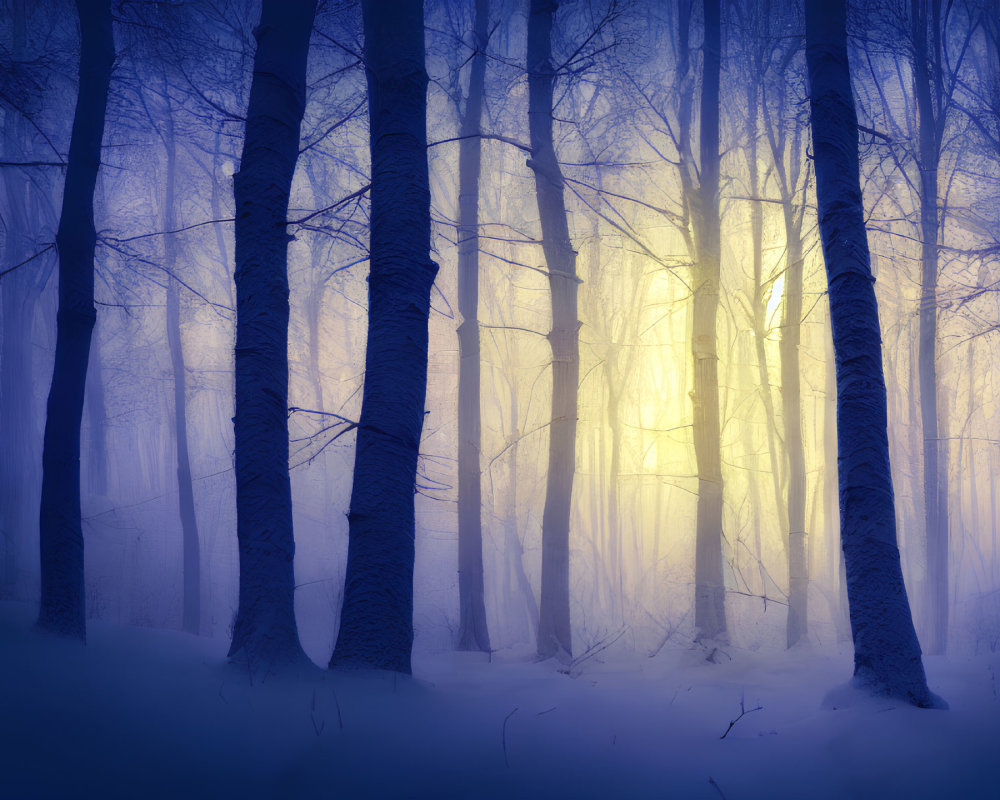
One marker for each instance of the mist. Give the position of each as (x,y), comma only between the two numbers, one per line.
(561,401)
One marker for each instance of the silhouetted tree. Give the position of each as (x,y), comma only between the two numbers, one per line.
(554,633)
(62,607)
(376,621)
(265,629)
(886,652)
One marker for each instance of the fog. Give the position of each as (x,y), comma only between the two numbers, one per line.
(157,422)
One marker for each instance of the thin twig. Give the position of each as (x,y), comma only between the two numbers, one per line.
(503,737)
(743,712)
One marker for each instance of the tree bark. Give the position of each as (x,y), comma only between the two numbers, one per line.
(886,652)
(554,633)
(376,621)
(62,608)
(473,633)
(935,482)
(791,409)
(710,589)
(265,630)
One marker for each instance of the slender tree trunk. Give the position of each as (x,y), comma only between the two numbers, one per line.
(710,589)
(791,404)
(886,652)
(95,411)
(760,306)
(759,311)
(614,469)
(472,633)
(554,633)
(191,558)
(513,545)
(935,498)
(62,608)
(265,630)
(376,621)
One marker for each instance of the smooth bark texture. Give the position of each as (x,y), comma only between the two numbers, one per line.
(791,410)
(376,621)
(927,83)
(472,632)
(265,631)
(710,589)
(554,634)
(886,652)
(62,607)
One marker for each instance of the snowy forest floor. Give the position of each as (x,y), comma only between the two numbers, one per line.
(151,714)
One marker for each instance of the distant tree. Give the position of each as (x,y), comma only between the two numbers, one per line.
(376,621)
(886,652)
(265,630)
(554,632)
(473,633)
(191,615)
(785,129)
(932,106)
(62,608)
(29,216)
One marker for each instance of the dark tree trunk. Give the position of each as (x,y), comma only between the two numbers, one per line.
(935,464)
(886,652)
(710,589)
(554,634)
(376,621)
(472,633)
(191,558)
(265,630)
(62,607)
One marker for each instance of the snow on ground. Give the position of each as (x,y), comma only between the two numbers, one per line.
(151,714)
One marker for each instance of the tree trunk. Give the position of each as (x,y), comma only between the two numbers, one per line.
(265,630)
(617,567)
(759,308)
(191,558)
(935,496)
(791,409)
(554,633)
(376,621)
(710,589)
(886,652)
(472,633)
(62,608)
